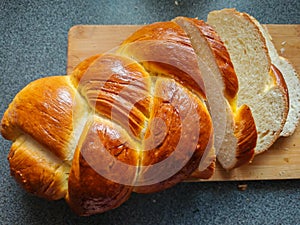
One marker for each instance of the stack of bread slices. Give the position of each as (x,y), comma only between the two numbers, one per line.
(252,93)
(268,83)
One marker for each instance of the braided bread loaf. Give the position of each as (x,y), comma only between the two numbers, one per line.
(117,124)
(149,114)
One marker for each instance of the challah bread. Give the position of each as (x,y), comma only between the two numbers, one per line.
(70,138)
(261,85)
(236,140)
(150,114)
(292,81)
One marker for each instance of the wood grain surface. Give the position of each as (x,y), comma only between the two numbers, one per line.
(281,161)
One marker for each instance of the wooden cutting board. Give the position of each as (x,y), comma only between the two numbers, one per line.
(281,161)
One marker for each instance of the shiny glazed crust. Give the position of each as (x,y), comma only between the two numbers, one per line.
(89,190)
(43,110)
(167,51)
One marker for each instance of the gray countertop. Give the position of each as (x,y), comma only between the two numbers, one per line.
(34,44)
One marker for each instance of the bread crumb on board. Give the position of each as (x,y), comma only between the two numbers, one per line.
(282,50)
(176,2)
(282,173)
(242,187)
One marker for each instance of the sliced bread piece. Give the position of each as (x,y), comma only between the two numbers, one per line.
(292,81)
(261,86)
(235,131)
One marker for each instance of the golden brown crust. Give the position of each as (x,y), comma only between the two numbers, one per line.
(43,110)
(95,165)
(167,51)
(115,87)
(81,68)
(204,174)
(221,56)
(206,168)
(181,139)
(35,172)
(246,133)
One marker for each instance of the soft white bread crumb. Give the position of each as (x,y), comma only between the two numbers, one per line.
(291,79)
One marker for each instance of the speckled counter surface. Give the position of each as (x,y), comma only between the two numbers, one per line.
(33,44)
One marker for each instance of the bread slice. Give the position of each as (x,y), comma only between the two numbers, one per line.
(261,85)
(292,81)
(232,126)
